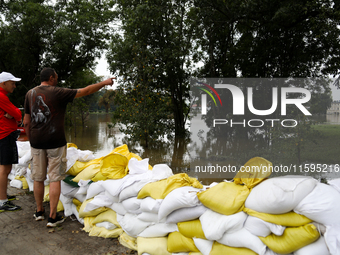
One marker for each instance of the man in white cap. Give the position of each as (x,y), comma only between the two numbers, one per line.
(10,116)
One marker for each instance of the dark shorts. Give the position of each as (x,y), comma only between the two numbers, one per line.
(9,149)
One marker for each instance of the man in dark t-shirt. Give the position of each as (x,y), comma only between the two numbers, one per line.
(45,107)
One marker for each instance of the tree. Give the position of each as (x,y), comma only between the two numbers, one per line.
(66,35)
(153,57)
(107,99)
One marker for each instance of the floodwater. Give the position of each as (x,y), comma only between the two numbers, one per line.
(101,139)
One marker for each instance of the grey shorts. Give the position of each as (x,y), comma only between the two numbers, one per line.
(53,159)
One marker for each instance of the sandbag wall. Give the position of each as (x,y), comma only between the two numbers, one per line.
(153,211)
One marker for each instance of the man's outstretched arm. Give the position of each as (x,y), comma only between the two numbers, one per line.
(90,89)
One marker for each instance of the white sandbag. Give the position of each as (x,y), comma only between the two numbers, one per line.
(150,204)
(178,198)
(262,228)
(280,194)
(16,184)
(83,187)
(23,148)
(321,205)
(25,159)
(97,202)
(148,216)
(72,157)
(131,204)
(76,213)
(29,180)
(94,189)
(215,225)
(67,204)
(80,197)
(138,166)
(131,224)
(132,190)
(243,238)
(118,208)
(161,172)
(335,183)
(107,225)
(204,246)
(332,239)
(158,230)
(68,190)
(186,214)
(85,155)
(317,248)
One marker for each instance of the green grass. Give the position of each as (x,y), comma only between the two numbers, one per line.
(326,148)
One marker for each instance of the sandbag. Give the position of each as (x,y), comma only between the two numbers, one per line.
(191,229)
(157,245)
(103,232)
(243,239)
(160,189)
(203,245)
(150,204)
(114,166)
(332,239)
(225,198)
(158,230)
(262,228)
(219,249)
(289,219)
(98,202)
(131,224)
(321,205)
(186,214)
(128,241)
(317,248)
(280,194)
(106,224)
(83,214)
(253,172)
(215,225)
(178,198)
(107,216)
(149,217)
(131,204)
(293,238)
(179,243)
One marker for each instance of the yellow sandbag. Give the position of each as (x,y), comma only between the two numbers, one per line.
(46,193)
(114,166)
(290,219)
(72,145)
(123,150)
(128,241)
(60,206)
(23,180)
(191,229)
(109,215)
(160,189)
(253,172)
(99,177)
(156,245)
(77,203)
(225,198)
(80,166)
(179,243)
(95,212)
(218,249)
(88,173)
(88,223)
(195,253)
(292,239)
(103,232)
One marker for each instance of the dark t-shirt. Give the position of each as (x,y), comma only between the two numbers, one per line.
(47,107)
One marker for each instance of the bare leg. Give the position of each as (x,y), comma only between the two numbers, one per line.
(4,172)
(39,189)
(55,189)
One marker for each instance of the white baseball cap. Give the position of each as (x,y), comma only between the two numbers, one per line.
(4,76)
